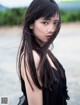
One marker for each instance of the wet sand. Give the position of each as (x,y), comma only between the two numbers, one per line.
(66,49)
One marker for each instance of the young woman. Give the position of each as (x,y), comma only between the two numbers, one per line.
(43,80)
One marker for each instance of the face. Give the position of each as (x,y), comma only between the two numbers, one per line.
(43,29)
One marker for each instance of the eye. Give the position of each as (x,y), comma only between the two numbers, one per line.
(56,23)
(45,23)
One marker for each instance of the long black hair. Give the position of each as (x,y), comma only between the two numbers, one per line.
(37,9)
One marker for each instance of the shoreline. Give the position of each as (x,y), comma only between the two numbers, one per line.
(77,23)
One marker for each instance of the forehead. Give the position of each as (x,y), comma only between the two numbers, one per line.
(56,16)
(53,18)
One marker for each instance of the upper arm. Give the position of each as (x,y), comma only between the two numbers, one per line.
(32,95)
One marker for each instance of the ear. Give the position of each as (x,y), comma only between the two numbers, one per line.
(31,26)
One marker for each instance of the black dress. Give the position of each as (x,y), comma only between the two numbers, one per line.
(56,95)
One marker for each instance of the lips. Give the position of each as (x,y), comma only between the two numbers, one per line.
(49,36)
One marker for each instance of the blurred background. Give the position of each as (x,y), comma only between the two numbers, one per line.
(66,47)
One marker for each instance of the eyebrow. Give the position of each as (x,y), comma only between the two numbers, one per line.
(50,19)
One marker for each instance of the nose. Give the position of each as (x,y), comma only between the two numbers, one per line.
(51,29)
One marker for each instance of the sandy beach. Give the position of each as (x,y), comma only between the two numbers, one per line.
(66,49)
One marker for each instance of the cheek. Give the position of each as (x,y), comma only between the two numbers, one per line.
(36,32)
(41,29)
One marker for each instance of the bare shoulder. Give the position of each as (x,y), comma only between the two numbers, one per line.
(36,55)
(26,71)
(36,61)
(32,95)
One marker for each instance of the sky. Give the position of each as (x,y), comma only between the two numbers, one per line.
(17,3)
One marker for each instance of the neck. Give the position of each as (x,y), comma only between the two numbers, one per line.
(40,42)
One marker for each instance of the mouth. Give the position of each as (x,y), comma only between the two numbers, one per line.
(48,36)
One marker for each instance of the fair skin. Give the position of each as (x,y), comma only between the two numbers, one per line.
(43,30)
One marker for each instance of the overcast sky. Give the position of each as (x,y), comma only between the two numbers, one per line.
(17,3)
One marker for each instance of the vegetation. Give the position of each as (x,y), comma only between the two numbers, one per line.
(12,16)
(15,16)
(70,16)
